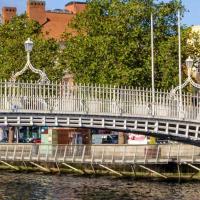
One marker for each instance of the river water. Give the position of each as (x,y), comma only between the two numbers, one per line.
(17,186)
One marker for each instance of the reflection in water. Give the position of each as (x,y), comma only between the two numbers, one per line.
(47,187)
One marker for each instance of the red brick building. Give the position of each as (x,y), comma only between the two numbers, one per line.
(8,13)
(54,22)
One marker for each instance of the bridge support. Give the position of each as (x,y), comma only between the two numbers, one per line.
(194,167)
(55,169)
(133,169)
(109,169)
(9,165)
(57,165)
(93,169)
(73,168)
(24,164)
(179,172)
(40,167)
(150,170)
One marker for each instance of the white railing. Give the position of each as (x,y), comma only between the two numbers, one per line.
(58,98)
(120,154)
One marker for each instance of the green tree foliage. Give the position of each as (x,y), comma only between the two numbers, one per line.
(113,43)
(193,45)
(13,55)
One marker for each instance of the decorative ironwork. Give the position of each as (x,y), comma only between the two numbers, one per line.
(187,81)
(43,77)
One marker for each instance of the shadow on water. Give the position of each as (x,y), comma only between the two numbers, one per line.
(20,186)
(23,186)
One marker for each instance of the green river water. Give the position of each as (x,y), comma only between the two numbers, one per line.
(33,186)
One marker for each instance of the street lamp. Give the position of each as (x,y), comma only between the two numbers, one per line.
(189,62)
(28,48)
(28,45)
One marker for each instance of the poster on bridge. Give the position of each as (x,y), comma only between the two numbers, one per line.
(137,139)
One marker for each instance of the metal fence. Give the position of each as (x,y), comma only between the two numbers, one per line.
(102,154)
(31,97)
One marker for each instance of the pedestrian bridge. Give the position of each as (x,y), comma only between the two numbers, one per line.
(93,106)
(101,154)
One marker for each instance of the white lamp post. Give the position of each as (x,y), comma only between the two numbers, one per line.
(28,48)
(28,45)
(189,63)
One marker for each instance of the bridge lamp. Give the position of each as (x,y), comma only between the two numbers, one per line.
(28,45)
(189,62)
(28,48)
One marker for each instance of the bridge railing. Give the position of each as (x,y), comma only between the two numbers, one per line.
(32,97)
(120,154)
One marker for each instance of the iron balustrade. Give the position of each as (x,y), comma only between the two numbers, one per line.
(58,98)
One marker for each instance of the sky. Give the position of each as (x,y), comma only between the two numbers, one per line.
(192,16)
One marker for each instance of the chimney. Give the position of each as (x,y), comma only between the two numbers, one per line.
(8,13)
(36,10)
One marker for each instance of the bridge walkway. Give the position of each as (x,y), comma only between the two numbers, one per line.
(101,154)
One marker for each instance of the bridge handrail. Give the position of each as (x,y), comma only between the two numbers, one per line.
(100,153)
(31,97)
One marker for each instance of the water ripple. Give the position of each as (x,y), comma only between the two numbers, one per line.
(69,187)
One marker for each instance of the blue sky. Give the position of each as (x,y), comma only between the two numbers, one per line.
(192,17)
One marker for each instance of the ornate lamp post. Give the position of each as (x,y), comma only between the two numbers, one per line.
(28,46)
(189,63)
(43,77)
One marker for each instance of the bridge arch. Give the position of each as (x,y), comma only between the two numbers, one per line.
(184,131)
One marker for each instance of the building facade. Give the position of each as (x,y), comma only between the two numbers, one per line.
(53,22)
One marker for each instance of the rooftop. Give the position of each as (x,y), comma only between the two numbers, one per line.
(9,8)
(61,11)
(76,2)
(42,1)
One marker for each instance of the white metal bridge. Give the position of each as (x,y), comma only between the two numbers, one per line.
(94,106)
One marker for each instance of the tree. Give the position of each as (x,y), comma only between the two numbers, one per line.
(12,53)
(112,44)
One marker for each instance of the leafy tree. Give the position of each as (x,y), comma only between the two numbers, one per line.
(12,53)
(113,43)
(193,45)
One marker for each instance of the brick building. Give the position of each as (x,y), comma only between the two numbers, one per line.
(54,22)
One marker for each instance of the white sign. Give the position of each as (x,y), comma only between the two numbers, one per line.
(136,139)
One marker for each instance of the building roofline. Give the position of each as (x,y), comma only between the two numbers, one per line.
(54,12)
(76,2)
(9,7)
(37,1)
